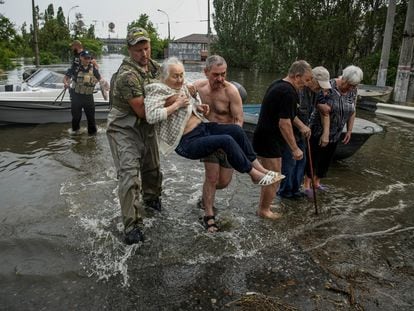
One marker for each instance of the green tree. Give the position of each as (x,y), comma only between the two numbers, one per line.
(236,24)
(7,31)
(49,13)
(53,37)
(7,34)
(276,29)
(270,34)
(61,17)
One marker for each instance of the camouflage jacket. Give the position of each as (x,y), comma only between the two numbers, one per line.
(129,82)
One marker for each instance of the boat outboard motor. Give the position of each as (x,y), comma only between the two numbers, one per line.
(242,91)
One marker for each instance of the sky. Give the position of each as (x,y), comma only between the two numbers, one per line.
(186,16)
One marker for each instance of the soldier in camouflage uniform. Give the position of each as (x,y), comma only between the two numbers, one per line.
(132,140)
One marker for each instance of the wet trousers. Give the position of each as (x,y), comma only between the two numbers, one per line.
(134,149)
(293,170)
(206,138)
(85,102)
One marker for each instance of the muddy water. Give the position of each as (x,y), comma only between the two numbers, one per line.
(60,233)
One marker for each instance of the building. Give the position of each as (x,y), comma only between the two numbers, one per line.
(193,47)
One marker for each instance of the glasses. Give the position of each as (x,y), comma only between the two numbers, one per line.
(351,85)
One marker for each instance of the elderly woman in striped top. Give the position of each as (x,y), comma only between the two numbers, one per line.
(340,104)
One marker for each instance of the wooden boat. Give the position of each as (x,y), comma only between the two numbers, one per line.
(362,130)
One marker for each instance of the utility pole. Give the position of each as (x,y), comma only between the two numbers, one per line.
(36,44)
(74,7)
(168,21)
(406,57)
(208,18)
(386,44)
(208,28)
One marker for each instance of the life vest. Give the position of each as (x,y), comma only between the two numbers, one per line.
(85,81)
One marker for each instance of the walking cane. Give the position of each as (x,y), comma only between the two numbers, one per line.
(312,176)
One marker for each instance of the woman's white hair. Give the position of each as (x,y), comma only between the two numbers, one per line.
(165,67)
(352,74)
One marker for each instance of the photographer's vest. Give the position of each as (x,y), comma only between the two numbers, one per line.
(116,98)
(85,81)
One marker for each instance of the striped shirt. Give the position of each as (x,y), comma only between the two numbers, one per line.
(342,108)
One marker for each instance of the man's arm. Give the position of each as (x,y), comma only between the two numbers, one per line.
(304,130)
(137,104)
(286,129)
(68,76)
(66,81)
(236,105)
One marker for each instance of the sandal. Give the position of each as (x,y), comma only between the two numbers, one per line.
(322,187)
(270,178)
(278,176)
(207,225)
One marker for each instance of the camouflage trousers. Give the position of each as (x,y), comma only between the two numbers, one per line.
(134,148)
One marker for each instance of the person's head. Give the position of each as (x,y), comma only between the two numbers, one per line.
(351,77)
(139,45)
(320,79)
(300,74)
(85,57)
(172,73)
(215,71)
(76,46)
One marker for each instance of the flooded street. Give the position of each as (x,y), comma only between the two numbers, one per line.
(61,233)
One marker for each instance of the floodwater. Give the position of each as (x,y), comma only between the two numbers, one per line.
(61,233)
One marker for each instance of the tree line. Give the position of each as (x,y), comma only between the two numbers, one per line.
(270,34)
(55,35)
(265,35)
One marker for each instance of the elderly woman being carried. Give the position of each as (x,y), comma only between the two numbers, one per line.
(181,126)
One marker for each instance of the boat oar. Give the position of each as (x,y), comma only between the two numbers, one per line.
(60,94)
(312,177)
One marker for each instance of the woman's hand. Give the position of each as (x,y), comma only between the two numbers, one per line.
(182,101)
(170,100)
(347,137)
(324,140)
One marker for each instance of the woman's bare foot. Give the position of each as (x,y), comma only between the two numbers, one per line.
(269,214)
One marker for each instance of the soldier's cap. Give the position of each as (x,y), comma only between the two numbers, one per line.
(321,74)
(136,35)
(75,42)
(85,54)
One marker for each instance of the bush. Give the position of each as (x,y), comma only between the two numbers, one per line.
(5,58)
(47,58)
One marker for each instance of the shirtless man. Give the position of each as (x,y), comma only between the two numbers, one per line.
(225,107)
